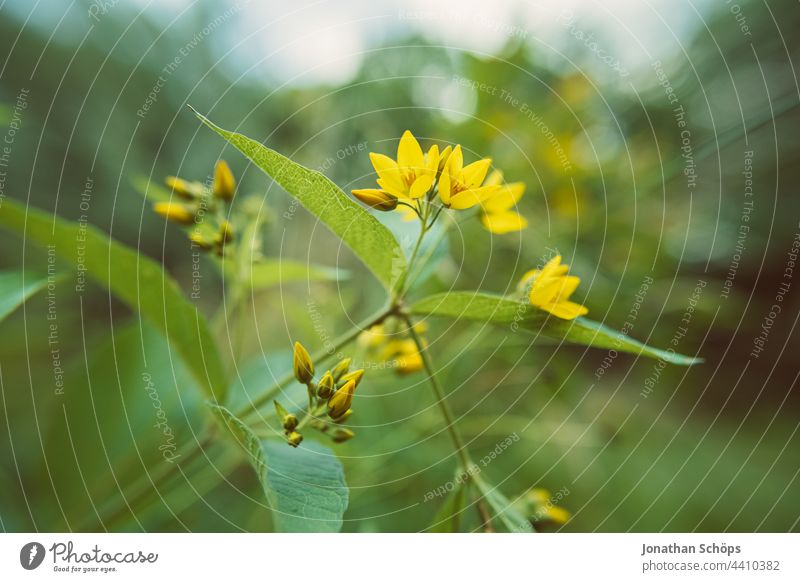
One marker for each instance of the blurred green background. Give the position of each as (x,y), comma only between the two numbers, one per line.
(586,121)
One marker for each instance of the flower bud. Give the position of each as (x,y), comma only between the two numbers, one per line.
(341,369)
(377,199)
(201,241)
(174,212)
(326,386)
(303,366)
(225,232)
(341,435)
(343,418)
(289,422)
(294,438)
(341,400)
(224,182)
(355,375)
(183,188)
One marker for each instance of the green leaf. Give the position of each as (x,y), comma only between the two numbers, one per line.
(514,315)
(510,517)
(135,279)
(372,242)
(448,517)
(243,436)
(16,287)
(304,486)
(271,272)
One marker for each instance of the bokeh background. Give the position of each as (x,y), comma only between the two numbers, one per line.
(638,128)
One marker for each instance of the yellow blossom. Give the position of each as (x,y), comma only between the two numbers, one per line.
(405,355)
(408,178)
(460,186)
(497,216)
(551,288)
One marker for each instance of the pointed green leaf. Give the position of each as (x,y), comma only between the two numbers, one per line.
(372,242)
(515,315)
(504,510)
(16,287)
(448,517)
(304,486)
(135,279)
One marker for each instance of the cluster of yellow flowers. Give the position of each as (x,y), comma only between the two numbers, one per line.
(422,184)
(197,207)
(333,394)
(401,354)
(415,181)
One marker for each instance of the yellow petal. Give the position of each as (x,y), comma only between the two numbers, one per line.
(503,222)
(565,309)
(472,175)
(387,170)
(568,286)
(420,186)
(409,154)
(388,186)
(444,187)
(552,266)
(407,213)
(444,157)
(432,160)
(506,198)
(494,179)
(543,291)
(469,198)
(455,161)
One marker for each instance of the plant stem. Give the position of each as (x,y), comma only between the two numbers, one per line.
(317,357)
(458,443)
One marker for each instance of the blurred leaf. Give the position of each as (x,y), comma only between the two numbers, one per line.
(16,287)
(137,280)
(511,313)
(511,518)
(304,486)
(270,272)
(447,518)
(372,242)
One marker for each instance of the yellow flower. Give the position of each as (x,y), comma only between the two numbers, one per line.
(405,355)
(551,288)
(460,186)
(497,216)
(408,178)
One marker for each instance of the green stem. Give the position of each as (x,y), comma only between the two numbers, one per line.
(458,442)
(317,357)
